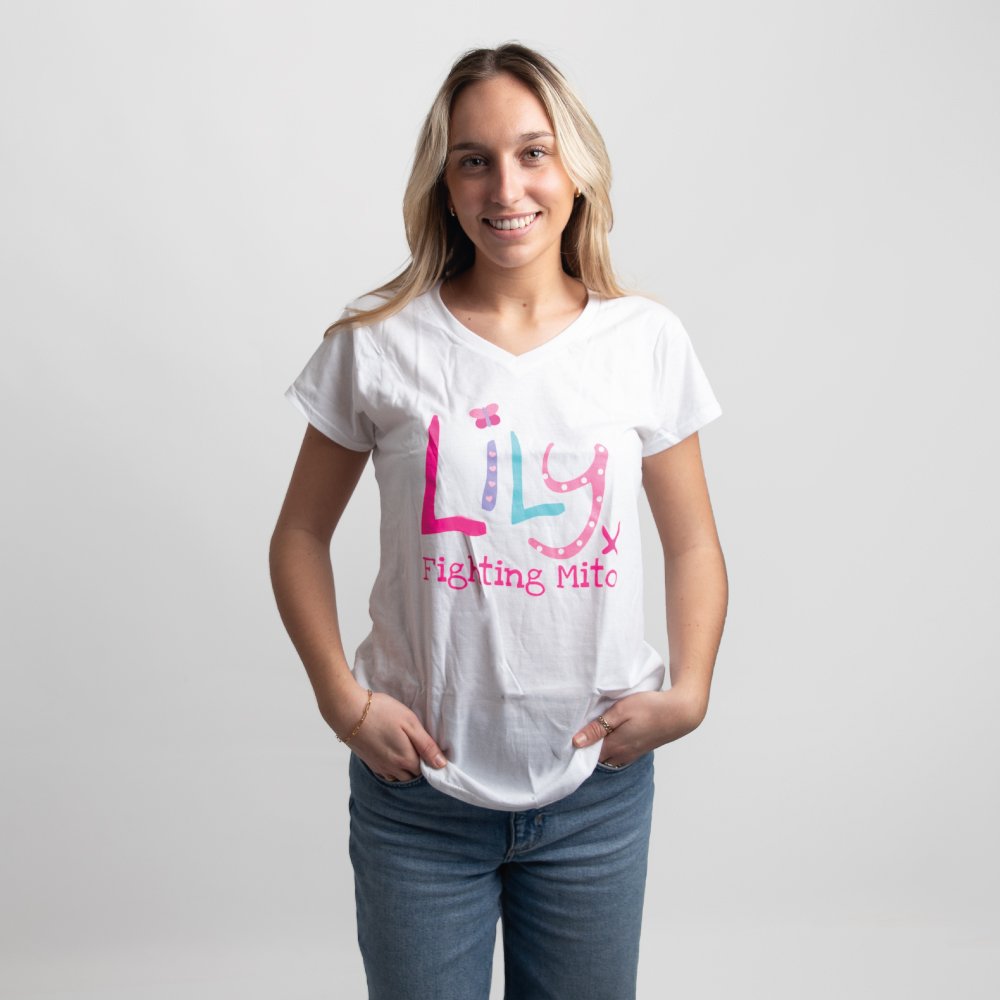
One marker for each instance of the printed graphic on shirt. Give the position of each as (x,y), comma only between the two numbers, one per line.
(487,415)
(518,512)
(430,523)
(612,545)
(592,479)
(489,573)
(490,489)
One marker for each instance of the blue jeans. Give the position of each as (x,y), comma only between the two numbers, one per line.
(433,875)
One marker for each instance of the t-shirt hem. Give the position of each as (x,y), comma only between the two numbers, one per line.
(321,423)
(666,439)
(465,791)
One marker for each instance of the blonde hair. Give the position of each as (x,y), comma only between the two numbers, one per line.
(439,249)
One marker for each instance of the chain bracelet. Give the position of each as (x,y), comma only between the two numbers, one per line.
(361,722)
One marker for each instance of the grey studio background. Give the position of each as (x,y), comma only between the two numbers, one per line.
(191,193)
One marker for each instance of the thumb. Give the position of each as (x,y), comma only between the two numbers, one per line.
(429,751)
(594,732)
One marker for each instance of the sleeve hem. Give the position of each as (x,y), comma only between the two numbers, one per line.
(667,438)
(321,424)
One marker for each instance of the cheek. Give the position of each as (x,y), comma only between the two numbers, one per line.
(559,190)
(561,202)
(455,184)
(467,195)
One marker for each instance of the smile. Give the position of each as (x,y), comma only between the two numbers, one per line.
(521,222)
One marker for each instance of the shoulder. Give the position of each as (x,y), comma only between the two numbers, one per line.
(398,328)
(409,313)
(641,318)
(639,309)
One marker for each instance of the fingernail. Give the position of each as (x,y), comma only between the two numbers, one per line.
(580,740)
(439,761)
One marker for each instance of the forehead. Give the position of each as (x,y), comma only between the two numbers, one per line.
(501,108)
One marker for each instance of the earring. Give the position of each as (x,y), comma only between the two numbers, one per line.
(450,209)
(578,193)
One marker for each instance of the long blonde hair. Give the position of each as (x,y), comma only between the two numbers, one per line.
(438,246)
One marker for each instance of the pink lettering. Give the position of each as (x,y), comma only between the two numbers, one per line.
(460,575)
(430,523)
(593,479)
(585,575)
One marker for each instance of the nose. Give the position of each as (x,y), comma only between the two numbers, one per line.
(508,186)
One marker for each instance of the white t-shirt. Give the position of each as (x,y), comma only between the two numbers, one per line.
(507,610)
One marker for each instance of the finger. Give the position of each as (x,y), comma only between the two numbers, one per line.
(428,750)
(397,774)
(615,762)
(594,731)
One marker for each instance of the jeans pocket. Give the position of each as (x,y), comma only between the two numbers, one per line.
(608,769)
(601,766)
(386,783)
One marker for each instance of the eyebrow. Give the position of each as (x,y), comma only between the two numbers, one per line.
(523,137)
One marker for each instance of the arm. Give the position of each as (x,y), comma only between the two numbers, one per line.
(697,594)
(392,740)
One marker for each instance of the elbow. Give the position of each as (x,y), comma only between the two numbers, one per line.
(693,704)
(698,710)
(293,542)
(277,547)
(273,553)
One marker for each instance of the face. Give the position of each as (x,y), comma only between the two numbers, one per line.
(505,180)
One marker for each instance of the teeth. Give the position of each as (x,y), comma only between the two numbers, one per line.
(519,223)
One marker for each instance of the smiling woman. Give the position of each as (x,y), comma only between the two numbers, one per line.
(513,199)
(512,196)
(503,711)
(556,124)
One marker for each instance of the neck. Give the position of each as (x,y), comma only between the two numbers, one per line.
(524,291)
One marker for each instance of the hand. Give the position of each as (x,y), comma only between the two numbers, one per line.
(392,741)
(642,722)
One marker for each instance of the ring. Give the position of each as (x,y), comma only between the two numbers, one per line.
(608,728)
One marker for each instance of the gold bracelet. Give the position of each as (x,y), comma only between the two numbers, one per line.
(364,715)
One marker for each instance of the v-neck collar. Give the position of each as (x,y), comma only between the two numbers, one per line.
(447,319)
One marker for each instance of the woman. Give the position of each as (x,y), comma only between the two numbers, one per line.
(503,711)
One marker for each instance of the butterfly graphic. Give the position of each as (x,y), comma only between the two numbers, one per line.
(487,415)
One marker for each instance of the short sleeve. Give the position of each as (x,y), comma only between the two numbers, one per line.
(330,390)
(680,399)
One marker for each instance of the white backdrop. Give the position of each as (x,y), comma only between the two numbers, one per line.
(191,193)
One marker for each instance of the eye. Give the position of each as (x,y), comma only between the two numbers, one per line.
(467,161)
(536,149)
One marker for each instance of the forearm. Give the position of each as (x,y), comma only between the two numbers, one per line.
(697,595)
(302,578)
